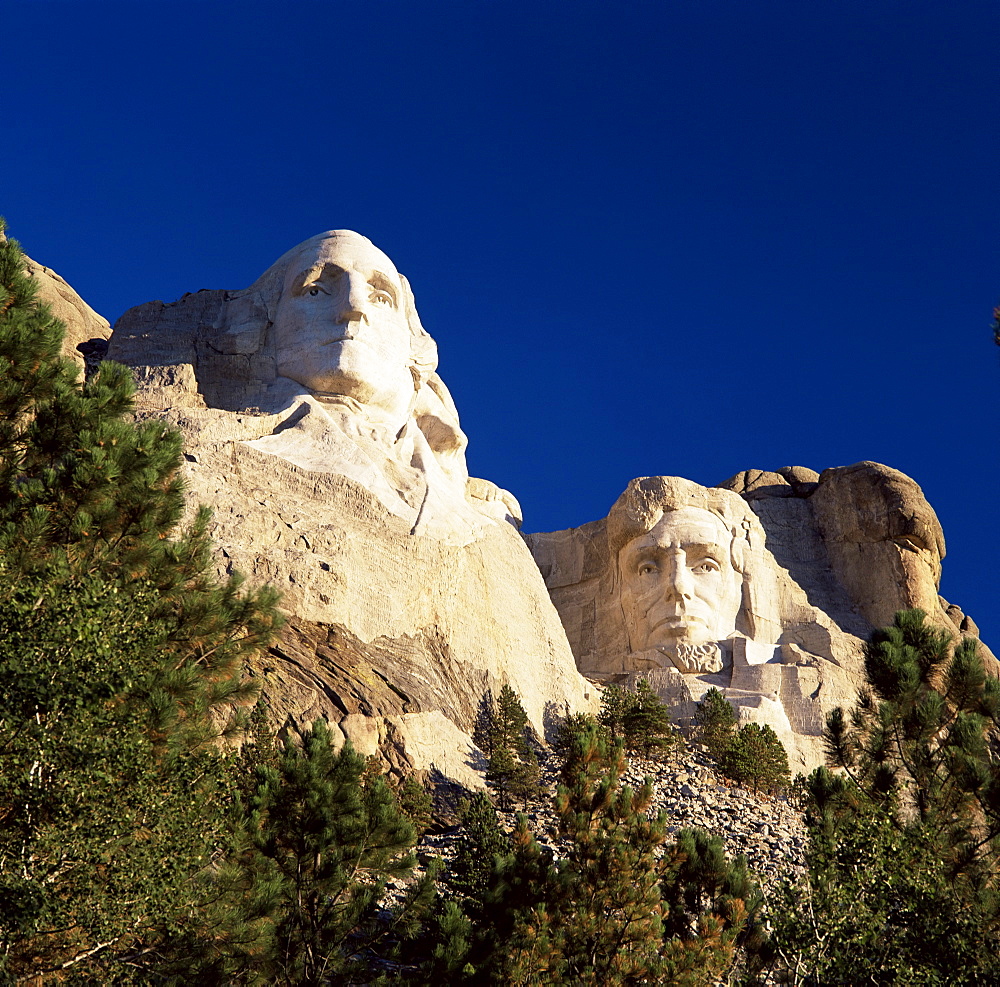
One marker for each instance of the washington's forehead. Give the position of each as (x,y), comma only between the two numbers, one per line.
(345,250)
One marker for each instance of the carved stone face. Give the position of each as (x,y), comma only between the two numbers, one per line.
(341,328)
(678,584)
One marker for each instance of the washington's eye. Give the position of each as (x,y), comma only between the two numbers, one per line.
(314,292)
(383,298)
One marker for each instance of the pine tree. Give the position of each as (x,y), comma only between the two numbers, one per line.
(648,910)
(568,729)
(260,749)
(904,851)
(640,719)
(624,905)
(416,802)
(605,918)
(512,771)
(117,648)
(107,832)
(85,490)
(481,842)
(615,705)
(756,757)
(716,722)
(321,844)
(450,942)
(647,725)
(718,897)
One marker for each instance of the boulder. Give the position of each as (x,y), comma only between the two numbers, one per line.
(86,331)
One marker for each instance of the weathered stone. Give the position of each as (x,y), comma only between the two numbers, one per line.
(802,479)
(751,484)
(767,596)
(317,428)
(331,453)
(83,325)
(883,540)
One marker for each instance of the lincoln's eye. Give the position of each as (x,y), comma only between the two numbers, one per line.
(706,565)
(382,298)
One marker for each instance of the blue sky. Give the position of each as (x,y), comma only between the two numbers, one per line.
(683,238)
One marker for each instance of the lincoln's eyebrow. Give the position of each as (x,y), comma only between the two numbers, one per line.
(634,551)
(704,548)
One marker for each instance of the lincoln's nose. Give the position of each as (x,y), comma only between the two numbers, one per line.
(678,581)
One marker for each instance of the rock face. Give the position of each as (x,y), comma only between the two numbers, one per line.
(318,430)
(86,331)
(764,588)
(331,454)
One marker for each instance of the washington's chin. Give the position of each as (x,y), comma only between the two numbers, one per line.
(327,385)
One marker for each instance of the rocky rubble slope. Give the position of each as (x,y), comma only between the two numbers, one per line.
(768,830)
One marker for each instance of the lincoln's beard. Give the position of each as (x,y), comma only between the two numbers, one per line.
(696,658)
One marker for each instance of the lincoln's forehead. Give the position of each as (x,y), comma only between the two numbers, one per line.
(686,526)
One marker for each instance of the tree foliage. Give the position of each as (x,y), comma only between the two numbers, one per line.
(87,491)
(102,832)
(624,903)
(904,858)
(512,772)
(480,844)
(120,654)
(756,757)
(752,755)
(716,722)
(640,720)
(416,802)
(322,840)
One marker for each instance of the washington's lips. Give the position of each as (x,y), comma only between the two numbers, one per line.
(339,339)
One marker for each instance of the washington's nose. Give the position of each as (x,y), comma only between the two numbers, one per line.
(352,303)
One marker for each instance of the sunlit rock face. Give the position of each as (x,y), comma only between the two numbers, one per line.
(86,331)
(764,588)
(317,428)
(327,365)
